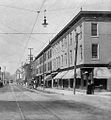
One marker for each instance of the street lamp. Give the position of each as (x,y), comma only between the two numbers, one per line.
(45,21)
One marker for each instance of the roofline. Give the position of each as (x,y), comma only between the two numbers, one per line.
(78,16)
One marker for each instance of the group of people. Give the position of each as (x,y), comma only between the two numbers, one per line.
(90,87)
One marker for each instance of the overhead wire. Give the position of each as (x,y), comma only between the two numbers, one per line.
(30,10)
(82,2)
(34,23)
(25,33)
(14,7)
(31,31)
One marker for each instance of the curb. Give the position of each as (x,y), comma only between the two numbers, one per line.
(44,91)
(52,92)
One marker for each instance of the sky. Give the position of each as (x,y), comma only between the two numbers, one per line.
(21,16)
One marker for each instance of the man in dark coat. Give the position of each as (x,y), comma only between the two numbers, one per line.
(89,88)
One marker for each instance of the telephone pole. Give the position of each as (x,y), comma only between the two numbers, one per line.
(4,80)
(76,47)
(31,59)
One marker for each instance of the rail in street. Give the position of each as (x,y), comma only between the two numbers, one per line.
(19,103)
(37,104)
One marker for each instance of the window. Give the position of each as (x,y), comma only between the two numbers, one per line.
(70,57)
(65,41)
(65,58)
(80,32)
(94,29)
(70,38)
(50,53)
(81,56)
(62,45)
(57,62)
(54,63)
(49,65)
(44,56)
(61,60)
(44,67)
(95,51)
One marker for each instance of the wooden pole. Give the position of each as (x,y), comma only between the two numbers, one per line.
(75,61)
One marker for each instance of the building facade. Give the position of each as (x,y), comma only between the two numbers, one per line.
(93,31)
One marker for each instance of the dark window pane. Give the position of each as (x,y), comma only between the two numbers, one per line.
(94,51)
(94,29)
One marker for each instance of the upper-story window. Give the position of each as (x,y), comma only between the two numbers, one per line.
(49,65)
(44,56)
(94,29)
(65,58)
(62,60)
(59,49)
(65,41)
(50,53)
(70,57)
(81,55)
(80,32)
(37,71)
(44,67)
(59,62)
(54,63)
(62,44)
(95,51)
(70,38)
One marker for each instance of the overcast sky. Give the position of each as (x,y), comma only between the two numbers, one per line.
(19,16)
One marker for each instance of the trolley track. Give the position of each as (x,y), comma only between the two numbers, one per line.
(22,115)
(43,108)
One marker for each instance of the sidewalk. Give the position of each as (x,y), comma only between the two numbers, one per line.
(70,92)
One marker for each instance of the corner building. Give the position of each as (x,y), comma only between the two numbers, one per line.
(93,52)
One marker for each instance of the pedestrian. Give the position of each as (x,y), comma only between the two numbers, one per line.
(92,87)
(89,89)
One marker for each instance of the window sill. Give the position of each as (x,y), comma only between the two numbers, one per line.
(95,36)
(95,59)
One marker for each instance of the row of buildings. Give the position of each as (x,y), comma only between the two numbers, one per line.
(54,65)
(4,77)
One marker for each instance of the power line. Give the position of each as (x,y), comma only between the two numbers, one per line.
(14,7)
(32,30)
(34,11)
(25,33)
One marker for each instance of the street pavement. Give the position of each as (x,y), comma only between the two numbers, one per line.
(20,103)
(70,92)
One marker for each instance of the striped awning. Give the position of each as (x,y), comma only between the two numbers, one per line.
(60,75)
(48,78)
(70,74)
(102,72)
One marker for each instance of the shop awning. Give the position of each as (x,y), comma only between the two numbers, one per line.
(60,75)
(48,78)
(70,74)
(102,72)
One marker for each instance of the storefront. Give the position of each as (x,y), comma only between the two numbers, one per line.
(57,80)
(101,77)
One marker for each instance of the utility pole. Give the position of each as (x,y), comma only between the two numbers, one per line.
(76,47)
(4,73)
(30,58)
(43,73)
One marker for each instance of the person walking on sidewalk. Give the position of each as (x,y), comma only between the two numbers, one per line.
(92,87)
(89,87)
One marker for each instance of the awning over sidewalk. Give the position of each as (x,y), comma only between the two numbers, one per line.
(60,75)
(102,72)
(48,78)
(70,74)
